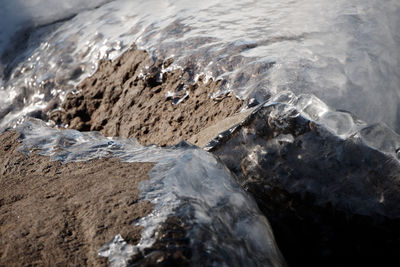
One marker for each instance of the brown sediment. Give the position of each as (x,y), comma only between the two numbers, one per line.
(122,100)
(61,214)
(205,135)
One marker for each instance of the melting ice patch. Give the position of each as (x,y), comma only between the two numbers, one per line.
(118,251)
(224,221)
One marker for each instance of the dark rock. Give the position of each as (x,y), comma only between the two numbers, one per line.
(332,194)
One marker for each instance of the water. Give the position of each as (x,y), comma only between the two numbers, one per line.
(344,52)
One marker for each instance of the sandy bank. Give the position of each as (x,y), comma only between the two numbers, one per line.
(121,100)
(61,214)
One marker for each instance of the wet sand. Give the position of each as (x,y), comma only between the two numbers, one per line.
(61,214)
(121,100)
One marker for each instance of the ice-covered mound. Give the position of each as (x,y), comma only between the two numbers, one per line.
(344,52)
(329,184)
(322,150)
(199,210)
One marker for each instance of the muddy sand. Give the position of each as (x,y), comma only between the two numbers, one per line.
(62,214)
(122,100)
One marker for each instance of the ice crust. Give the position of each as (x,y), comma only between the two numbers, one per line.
(300,145)
(346,53)
(226,225)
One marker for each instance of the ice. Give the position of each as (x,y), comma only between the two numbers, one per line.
(19,14)
(346,53)
(118,251)
(380,137)
(224,222)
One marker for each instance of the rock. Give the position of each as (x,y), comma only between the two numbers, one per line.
(329,184)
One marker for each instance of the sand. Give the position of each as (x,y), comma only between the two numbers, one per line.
(121,100)
(61,214)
